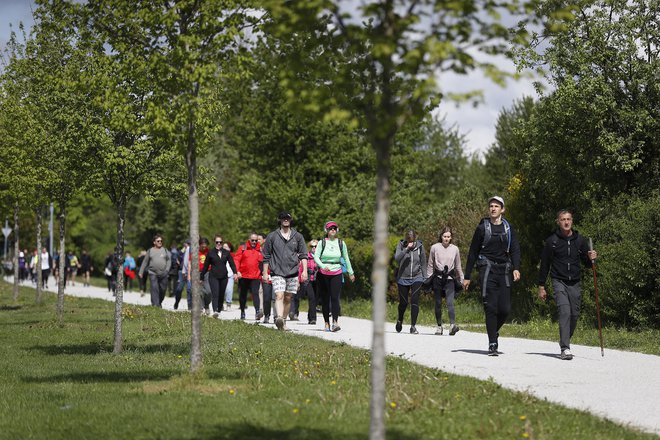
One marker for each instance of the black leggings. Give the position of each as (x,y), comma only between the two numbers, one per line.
(449,297)
(329,289)
(218,286)
(268,297)
(414,291)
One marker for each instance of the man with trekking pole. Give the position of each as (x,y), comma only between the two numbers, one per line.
(561,256)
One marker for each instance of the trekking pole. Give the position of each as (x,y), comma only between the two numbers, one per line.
(600,329)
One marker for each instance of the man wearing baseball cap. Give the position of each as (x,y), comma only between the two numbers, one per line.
(496,252)
(283,251)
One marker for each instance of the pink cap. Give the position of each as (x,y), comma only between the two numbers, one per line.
(331,223)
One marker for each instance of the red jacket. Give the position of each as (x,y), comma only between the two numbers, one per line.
(248,261)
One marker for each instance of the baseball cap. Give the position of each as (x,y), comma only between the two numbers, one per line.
(498,199)
(283,215)
(330,224)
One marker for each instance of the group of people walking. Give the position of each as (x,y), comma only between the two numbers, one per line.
(29,265)
(280,268)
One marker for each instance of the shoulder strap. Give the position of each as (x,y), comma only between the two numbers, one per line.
(322,248)
(487,233)
(507,231)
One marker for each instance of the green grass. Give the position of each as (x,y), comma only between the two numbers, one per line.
(63,382)
(470,315)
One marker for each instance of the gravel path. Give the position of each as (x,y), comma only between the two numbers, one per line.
(622,386)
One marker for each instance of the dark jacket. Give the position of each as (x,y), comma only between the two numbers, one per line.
(218,263)
(561,257)
(495,250)
(283,255)
(412,263)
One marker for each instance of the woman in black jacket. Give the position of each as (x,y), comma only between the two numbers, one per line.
(217,259)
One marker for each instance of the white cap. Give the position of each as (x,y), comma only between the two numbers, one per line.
(498,199)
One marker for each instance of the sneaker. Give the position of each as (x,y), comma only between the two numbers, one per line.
(399,326)
(279,323)
(327,328)
(454,329)
(176,305)
(335,327)
(228,306)
(312,322)
(259,315)
(413,330)
(266,319)
(242,314)
(566,355)
(438,331)
(492,350)
(293,318)
(216,314)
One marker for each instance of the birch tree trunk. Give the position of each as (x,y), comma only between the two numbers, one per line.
(17,250)
(379,280)
(61,282)
(119,299)
(193,201)
(37,266)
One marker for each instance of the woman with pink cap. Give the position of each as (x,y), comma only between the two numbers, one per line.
(328,258)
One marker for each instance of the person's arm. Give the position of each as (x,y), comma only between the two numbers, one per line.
(207,263)
(587,255)
(515,255)
(431,262)
(317,254)
(145,264)
(457,265)
(473,253)
(422,254)
(302,256)
(347,261)
(168,261)
(266,252)
(401,251)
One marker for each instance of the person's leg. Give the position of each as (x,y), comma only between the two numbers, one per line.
(243,285)
(437,299)
(575,298)
(335,295)
(154,290)
(254,289)
(322,284)
(162,288)
(267,292)
(178,290)
(491,305)
(416,290)
(215,294)
(563,314)
(449,298)
(288,297)
(207,292)
(189,293)
(311,298)
(229,292)
(504,301)
(403,302)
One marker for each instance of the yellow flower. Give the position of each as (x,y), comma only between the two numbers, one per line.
(232,392)
(333,383)
(307,400)
(523,417)
(179,356)
(393,404)
(296,410)
(525,435)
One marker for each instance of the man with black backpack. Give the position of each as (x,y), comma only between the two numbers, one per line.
(496,252)
(561,257)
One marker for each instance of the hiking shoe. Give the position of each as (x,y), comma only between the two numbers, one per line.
(413,330)
(312,322)
(242,314)
(399,326)
(335,327)
(438,331)
(216,314)
(327,328)
(259,315)
(266,319)
(279,323)
(176,305)
(492,350)
(454,330)
(566,355)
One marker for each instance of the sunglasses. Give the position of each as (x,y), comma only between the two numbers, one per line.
(253,241)
(218,242)
(313,247)
(159,241)
(331,228)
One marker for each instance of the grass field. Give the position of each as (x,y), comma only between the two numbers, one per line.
(63,382)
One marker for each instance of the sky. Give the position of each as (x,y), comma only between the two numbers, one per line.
(477,124)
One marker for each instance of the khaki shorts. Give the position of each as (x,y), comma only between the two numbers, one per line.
(281,284)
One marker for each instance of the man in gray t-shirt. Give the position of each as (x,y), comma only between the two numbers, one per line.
(157,264)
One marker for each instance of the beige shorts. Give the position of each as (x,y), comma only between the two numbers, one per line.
(281,284)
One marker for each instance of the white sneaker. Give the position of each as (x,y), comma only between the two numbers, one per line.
(438,331)
(566,355)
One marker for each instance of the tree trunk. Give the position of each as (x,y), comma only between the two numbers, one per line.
(119,259)
(37,266)
(17,250)
(61,282)
(379,278)
(193,201)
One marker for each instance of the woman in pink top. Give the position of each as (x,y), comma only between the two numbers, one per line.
(445,264)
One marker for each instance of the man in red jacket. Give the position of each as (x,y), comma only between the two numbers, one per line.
(248,260)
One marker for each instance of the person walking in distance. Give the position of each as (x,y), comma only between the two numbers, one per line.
(445,265)
(216,264)
(496,252)
(411,257)
(329,253)
(284,248)
(561,255)
(86,267)
(308,288)
(248,262)
(156,265)
(229,290)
